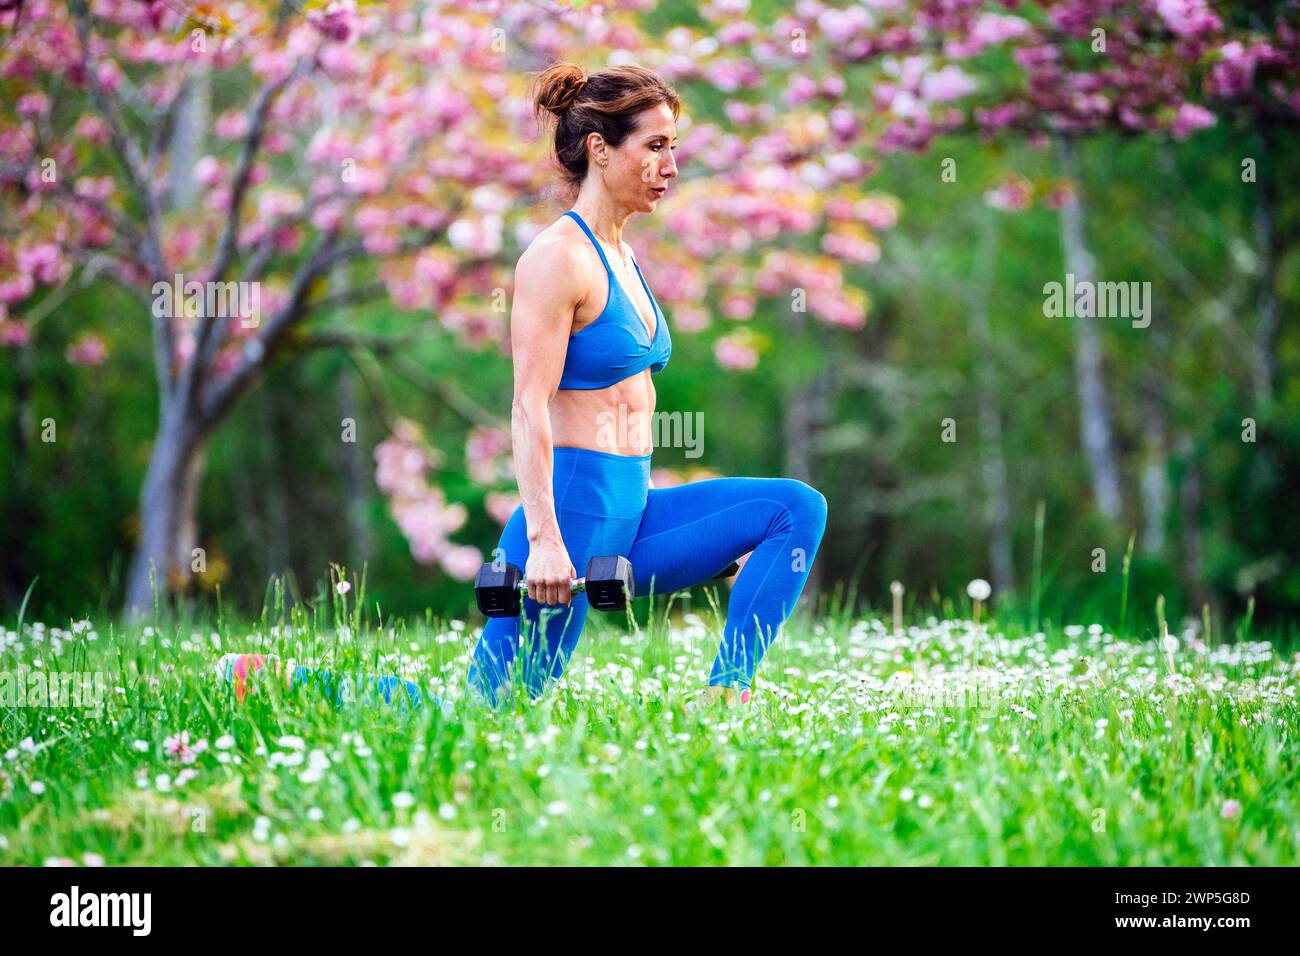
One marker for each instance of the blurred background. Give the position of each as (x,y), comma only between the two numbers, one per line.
(874,199)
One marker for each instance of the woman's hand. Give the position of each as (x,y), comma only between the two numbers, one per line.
(549,572)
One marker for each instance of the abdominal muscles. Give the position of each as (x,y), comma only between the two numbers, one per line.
(617,419)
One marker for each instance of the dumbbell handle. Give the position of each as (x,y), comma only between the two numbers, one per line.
(580,585)
(576,586)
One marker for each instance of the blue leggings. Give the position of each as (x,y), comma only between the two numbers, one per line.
(674,538)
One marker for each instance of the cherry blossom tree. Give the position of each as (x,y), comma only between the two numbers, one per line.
(388,150)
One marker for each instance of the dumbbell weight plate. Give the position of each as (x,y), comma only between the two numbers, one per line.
(497,590)
(609,583)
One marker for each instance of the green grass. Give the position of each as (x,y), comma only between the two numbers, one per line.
(940,746)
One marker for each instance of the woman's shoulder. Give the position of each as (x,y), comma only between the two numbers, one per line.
(556,264)
(559,246)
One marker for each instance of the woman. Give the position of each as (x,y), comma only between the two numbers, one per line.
(587,335)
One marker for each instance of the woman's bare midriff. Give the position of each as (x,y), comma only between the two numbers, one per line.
(616,419)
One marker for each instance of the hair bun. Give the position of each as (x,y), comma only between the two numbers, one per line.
(559,86)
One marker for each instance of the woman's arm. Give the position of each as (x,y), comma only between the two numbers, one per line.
(549,285)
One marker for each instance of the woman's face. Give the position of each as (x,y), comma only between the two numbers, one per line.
(639,170)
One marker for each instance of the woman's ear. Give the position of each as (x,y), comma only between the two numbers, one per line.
(598,149)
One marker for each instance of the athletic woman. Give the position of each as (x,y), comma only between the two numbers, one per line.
(587,335)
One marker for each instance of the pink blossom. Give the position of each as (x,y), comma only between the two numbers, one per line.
(844,167)
(184,348)
(231,125)
(209,171)
(664,478)
(988,30)
(501,506)
(87,349)
(287,238)
(834,86)
(219,198)
(999,117)
(329,143)
(738,305)
(851,248)
(1234,72)
(334,22)
(178,747)
(328,215)
(33,104)
(731,354)
(949,83)
(841,26)
(420,509)
(1059,195)
(479,237)
(99,188)
(109,75)
(277,142)
(462,562)
(380,243)
(876,213)
(44,262)
(738,112)
(484,453)
(94,129)
(1188,18)
(273,203)
(1190,118)
(16,288)
(13,334)
(843,123)
(799,90)
(1011,195)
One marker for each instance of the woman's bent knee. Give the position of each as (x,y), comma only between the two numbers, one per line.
(807,505)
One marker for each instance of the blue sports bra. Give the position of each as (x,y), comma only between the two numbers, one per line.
(617,345)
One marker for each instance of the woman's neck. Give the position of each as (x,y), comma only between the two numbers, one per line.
(600,212)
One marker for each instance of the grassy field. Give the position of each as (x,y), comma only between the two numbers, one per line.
(946,744)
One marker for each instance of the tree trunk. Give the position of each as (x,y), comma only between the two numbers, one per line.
(1267,245)
(167,503)
(187,137)
(1189,502)
(1155,467)
(360,545)
(1094,413)
(170,496)
(21,514)
(993,466)
(1153,483)
(804,412)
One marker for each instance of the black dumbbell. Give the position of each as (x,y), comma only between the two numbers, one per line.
(608,585)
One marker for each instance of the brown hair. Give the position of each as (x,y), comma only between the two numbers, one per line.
(604,102)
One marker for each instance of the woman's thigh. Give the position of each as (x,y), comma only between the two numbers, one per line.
(690,532)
